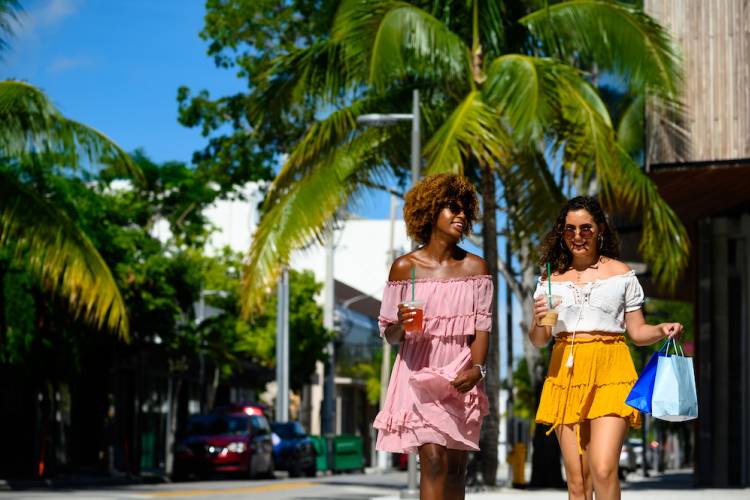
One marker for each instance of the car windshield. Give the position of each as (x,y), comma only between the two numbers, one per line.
(206,425)
(288,430)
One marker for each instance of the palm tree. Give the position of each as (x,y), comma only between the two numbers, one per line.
(505,96)
(39,235)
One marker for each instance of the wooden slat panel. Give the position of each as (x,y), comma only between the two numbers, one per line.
(715,40)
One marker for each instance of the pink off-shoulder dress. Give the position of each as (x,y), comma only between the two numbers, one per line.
(421,406)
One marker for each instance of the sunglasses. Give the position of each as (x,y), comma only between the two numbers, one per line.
(586,232)
(455,208)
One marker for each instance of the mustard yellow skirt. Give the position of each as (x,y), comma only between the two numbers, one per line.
(596,385)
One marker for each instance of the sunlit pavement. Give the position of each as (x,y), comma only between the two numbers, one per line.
(343,486)
(674,485)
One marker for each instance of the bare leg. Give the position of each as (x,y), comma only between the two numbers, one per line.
(576,465)
(607,435)
(455,484)
(433,463)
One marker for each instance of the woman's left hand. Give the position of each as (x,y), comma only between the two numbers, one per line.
(671,330)
(467,379)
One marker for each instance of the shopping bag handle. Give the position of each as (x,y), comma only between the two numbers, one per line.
(677,348)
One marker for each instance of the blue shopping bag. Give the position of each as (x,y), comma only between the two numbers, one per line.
(640,395)
(674,397)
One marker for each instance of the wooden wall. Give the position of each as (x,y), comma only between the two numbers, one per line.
(714,36)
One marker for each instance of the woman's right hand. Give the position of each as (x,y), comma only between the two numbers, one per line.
(540,309)
(405,315)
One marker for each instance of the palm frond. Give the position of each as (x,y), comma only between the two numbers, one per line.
(326,134)
(311,74)
(293,217)
(664,242)
(29,124)
(9,11)
(630,130)
(391,41)
(473,129)
(615,36)
(52,247)
(532,196)
(524,89)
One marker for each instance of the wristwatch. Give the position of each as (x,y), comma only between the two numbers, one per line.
(482,370)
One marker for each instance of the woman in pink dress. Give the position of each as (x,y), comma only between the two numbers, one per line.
(434,405)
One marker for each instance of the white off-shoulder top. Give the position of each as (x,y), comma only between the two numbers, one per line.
(597,306)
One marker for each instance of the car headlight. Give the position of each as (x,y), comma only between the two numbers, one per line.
(237,447)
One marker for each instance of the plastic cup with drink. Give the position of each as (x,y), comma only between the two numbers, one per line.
(550,317)
(417,307)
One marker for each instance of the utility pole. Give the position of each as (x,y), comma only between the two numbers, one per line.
(385,365)
(282,348)
(329,388)
(412,491)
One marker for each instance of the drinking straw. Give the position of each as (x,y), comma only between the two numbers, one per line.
(413,274)
(549,284)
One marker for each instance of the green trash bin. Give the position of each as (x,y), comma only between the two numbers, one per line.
(348,453)
(320,444)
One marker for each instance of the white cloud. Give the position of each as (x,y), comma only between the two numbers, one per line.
(47,14)
(62,64)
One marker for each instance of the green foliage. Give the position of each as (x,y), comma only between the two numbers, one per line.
(664,311)
(19,313)
(247,36)
(523,95)
(368,370)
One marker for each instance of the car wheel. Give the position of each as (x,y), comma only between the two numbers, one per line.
(311,471)
(622,473)
(295,471)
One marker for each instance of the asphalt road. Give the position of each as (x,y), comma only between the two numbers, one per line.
(338,487)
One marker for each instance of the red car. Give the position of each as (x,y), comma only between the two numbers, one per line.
(225,442)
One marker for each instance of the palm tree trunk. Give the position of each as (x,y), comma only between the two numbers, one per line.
(491,424)
(545,461)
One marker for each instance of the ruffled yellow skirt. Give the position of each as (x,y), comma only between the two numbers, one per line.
(596,385)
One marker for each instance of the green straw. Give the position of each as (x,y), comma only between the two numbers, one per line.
(549,284)
(413,275)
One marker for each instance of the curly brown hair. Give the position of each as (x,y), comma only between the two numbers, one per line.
(429,196)
(553,248)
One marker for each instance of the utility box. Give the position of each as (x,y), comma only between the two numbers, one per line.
(347,453)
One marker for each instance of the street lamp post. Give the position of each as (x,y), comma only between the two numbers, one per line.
(411,490)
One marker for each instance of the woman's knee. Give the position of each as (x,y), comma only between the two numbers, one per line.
(604,472)
(576,485)
(434,463)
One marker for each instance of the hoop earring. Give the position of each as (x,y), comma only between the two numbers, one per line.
(562,244)
(601,241)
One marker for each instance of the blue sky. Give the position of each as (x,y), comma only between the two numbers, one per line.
(116,65)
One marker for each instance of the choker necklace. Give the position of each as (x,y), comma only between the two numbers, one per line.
(595,265)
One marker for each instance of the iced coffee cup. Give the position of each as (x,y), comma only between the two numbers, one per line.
(415,325)
(550,317)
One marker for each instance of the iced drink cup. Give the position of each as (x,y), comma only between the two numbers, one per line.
(550,317)
(414,326)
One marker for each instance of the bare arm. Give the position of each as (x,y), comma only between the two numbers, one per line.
(644,334)
(400,270)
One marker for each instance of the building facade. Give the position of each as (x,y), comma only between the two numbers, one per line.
(706,179)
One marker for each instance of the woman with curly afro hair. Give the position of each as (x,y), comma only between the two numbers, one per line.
(435,401)
(591,372)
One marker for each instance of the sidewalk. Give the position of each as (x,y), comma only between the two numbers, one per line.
(672,485)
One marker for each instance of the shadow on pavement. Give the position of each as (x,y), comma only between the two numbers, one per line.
(670,480)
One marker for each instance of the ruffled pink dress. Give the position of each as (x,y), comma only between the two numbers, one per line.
(421,406)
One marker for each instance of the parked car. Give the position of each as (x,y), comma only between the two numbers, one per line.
(629,458)
(225,442)
(294,451)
